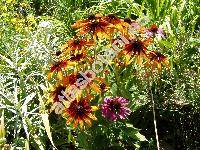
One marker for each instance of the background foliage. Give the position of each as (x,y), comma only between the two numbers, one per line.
(25,53)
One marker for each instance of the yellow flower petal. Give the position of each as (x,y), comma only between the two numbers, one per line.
(76,123)
(50,75)
(81,124)
(59,75)
(95,88)
(139,60)
(69,120)
(159,67)
(88,121)
(92,117)
(94,108)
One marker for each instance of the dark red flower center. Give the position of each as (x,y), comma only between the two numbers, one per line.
(91,17)
(56,64)
(136,47)
(112,17)
(76,42)
(97,25)
(60,89)
(58,53)
(114,106)
(79,109)
(58,92)
(103,86)
(128,20)
(153,29)
(94,25)
(76,57)
(72,79)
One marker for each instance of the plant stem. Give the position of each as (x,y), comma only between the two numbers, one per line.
(154,120)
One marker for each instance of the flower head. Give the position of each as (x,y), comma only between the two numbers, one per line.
(156,59)
(77,44)
(70,79)
(115,108)
(80,111)
(136,48)
(90,18)
(112,18)
(57,67)
(57,98)
(56,93)
(93,25)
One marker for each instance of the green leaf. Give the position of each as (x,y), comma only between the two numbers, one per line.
(113,89)
(26,145)
(7,60)
(27,100)
(82,139)
(133,132)
(47,127)
(140,137)
(2,130)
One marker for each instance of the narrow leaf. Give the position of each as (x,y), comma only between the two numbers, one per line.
(47,127)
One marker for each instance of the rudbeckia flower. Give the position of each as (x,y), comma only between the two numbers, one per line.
(90,18)
(97,28)
(56,97)
(128,20)
(56,92)
(57,67)
(103,86)
(70,79)
(115,108)
(80,112)
(156,59)
(115,21)
(79,58)
(136,48)
(97,85)
(77,44)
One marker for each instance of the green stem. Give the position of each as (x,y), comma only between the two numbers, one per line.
(154,117)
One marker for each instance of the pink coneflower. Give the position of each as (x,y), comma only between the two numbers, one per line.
(115,108)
